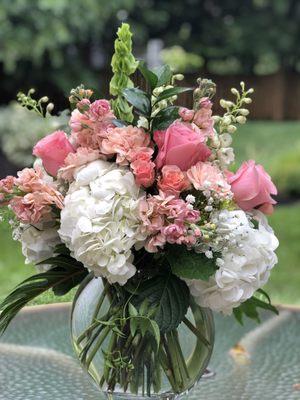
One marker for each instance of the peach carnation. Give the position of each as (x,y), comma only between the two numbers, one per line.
(34,207)
(173,180)
(7,184)
(123,142)
(40,196)
(82,157)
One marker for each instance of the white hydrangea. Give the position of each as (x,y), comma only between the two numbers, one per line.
(100,222)
(38,243)
(244,265)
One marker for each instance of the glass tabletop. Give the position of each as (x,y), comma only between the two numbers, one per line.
(249,362)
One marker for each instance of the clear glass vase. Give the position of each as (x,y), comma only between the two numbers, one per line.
(127,367)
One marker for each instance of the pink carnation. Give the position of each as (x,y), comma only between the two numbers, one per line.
(7,184)
(173,181)
(205,176)
(89,127)
(34,207)
(123,142)
(40,196)
(82,156)
(203,117)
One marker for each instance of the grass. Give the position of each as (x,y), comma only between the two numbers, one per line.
(268,143)
(276,145)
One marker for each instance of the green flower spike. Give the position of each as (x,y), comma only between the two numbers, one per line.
(123,65)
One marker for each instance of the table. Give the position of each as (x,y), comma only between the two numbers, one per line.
(37,361)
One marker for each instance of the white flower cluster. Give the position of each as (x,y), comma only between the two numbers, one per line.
(247,256)
(100,223)
(38,243)
(224,154)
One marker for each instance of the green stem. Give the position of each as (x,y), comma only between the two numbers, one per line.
(180,356)
(87,332)
(196,331)
(174,360)
(163,359)
(98,344)
(111,345)
(100,301)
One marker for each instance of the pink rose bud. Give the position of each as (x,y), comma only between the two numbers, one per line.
(180,145)
(252,188)
(186,114)
(53,149)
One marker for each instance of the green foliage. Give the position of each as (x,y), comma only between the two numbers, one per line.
(250,307)
(123,65)
(141,321)
(165,117)
(169,296)
(150,77)
(84,31)
(188,264)
(139,99)
(181,60)
(65,274)
(170,92)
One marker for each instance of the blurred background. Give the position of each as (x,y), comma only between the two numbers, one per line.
(54,45)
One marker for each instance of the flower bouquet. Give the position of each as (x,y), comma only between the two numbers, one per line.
(137,205)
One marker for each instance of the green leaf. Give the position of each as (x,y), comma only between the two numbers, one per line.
(165,117)
(164,75)
(139,99)
(169,296)
(149,76)
(133,326)
(118,123)
(155,331)
(188,264)
(132,310)
(65,262)
(58,278)
(166,94)
(250,308)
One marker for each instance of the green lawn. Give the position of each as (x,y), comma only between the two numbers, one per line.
(276,145)
(267,142)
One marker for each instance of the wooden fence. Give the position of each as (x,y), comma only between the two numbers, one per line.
(276,97)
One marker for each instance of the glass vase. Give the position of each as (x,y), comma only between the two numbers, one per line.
(125,364)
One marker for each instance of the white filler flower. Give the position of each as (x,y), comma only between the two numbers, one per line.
(100,223)
(38,244)
(244,264)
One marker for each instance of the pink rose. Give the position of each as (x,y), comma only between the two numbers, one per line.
(252,188)
(173,180)
(180,145)
(53,149)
